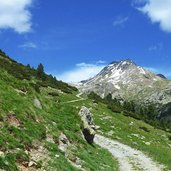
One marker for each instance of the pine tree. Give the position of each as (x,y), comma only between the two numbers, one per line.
(28,66)
(2,52)
(40,72)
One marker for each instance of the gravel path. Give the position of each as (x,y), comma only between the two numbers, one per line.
(77,100)
(129,159)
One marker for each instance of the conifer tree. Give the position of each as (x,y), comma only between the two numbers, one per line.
(40,72)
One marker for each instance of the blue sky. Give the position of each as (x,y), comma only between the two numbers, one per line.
(75,39)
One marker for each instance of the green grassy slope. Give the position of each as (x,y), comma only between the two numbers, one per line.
(30,132)
(154,142)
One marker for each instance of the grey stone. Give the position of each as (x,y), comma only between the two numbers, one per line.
(37,103)
(88,129)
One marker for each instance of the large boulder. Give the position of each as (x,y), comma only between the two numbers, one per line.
(88,128)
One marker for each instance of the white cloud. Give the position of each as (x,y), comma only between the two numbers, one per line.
(82,71)
(119,21)
(101,62)
(28,45)
(14,14)
(159,11)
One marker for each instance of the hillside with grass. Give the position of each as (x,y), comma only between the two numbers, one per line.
(41,128)
(33,115)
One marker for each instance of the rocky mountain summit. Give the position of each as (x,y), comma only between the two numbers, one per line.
(127,81)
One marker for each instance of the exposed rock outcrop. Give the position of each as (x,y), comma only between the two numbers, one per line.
(37,103)
(88,129)
(162,76)
(64,143)
(12,119)
(65,146)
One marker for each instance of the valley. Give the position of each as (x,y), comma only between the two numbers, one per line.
(41,129)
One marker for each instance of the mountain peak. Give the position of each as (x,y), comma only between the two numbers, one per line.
(123,62)
(120,65)
(119,76)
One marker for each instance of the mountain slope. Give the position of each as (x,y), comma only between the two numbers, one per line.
(35,123)
(42,130)
(128,82)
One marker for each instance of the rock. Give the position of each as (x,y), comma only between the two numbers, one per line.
(117,138)
(97,127)
(136,135)
(89,136)
(39,153)
(142,137)
(27,152)
(37,103)
(76,162)
(21,91)
(54,123)
(2,154)
(63,142)
(131,123)
(161,76)
(86,116)
(12,119)
(147,143)
(31,163)
(88,124)
(49,138)
(65,146)
(100,132)
(57,156)
(2,170)
(110,133)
